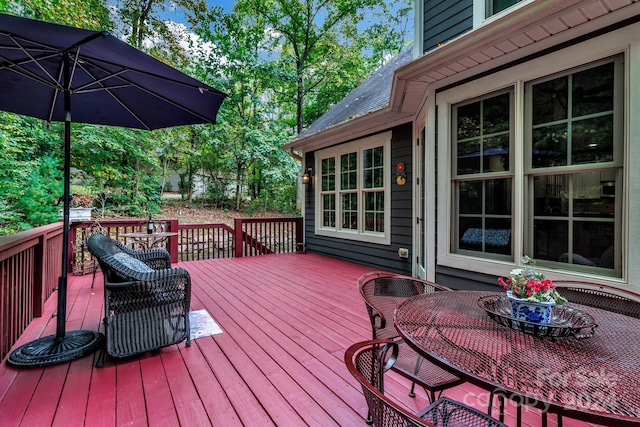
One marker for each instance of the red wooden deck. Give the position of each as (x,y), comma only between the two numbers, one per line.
(287,320)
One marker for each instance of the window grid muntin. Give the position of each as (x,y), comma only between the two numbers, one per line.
(571,119)
(612,165)
(349,171)
(349,210)
(380,144)
(484,138)
(373,167)
(328,174)
(328,210)
(482,177)
(374,211)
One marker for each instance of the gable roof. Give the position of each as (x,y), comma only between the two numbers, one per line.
(373,94)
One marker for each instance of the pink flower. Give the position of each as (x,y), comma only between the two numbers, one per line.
(528,284)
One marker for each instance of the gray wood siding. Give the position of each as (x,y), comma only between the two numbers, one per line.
(375,255)
(444,20)
(465,279)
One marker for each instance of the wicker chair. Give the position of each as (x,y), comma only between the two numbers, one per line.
(369,360)
(382,293)
(146,301)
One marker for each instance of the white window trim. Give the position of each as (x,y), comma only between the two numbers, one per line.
(480,12)
(559,61)
(382,139)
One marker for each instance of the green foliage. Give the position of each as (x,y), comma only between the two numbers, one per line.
(10,221)
(309,34)
(30,175)
(90,14)
(282,62)
(120,164)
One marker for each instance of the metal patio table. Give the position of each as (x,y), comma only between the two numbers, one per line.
(148,240)
(594,378)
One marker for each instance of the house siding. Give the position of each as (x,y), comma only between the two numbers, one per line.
(444,20)
(465,279)
(375,255)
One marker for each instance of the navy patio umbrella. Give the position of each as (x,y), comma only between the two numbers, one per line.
(59,73)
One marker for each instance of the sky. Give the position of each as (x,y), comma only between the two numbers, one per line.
(226,4)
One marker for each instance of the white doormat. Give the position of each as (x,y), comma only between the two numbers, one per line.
(202,324)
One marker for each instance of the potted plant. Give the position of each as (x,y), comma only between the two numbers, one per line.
(532,296)
(80,208)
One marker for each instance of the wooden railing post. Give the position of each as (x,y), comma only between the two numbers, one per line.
(39,271)
(73,234)
(300,235)
(172,244)
(238,240)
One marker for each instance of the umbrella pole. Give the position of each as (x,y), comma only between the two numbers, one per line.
(63,279)
(63,346)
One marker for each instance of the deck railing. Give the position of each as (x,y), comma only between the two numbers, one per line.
(205,241)
(259,236)
(30,261)
(29,270)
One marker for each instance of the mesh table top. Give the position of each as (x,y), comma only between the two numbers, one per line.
(595,378)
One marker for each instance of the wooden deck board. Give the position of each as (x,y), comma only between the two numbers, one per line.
(287,320)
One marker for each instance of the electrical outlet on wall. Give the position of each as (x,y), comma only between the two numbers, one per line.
(403,253)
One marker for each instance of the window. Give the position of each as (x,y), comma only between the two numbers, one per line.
(574,169)
(328,179)
(560,200)
(353,198)
(482,181)
(497,6)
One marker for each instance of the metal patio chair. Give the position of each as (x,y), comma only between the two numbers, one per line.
(369,360)
(593,295)
(600,296)
(382,293)
(146,301)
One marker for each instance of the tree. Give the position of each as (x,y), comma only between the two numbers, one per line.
(386,34)
(144,24)
(121,163)
(30,176)
(249,133)
(90,14)
(309,33)
(282,62)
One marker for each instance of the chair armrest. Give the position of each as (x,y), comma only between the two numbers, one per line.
(157,279)
(158,288)
(378,320)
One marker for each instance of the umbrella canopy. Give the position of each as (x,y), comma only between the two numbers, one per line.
(111,82)
(60,73)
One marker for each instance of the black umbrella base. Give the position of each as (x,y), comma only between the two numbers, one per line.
(52,350)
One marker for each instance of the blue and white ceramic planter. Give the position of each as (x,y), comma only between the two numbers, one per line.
(530,311)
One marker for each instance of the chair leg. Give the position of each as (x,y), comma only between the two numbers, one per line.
(100,362)
(415,371)
(500,405)
(490,405)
